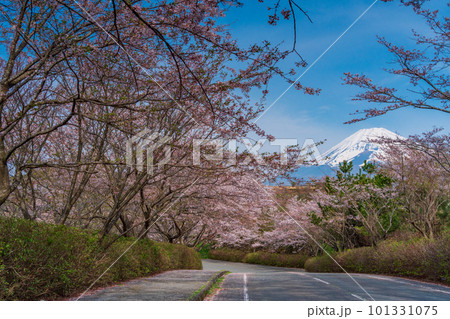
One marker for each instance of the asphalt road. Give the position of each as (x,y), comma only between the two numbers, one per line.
(176,285)
(256,282)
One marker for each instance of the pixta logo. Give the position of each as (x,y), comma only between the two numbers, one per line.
(144,145)
(142,148)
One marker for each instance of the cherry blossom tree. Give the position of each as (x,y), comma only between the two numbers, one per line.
(421,181)
(434,144)
(351,207)
(284,227)
(79,79)
(129,60)
(425,67)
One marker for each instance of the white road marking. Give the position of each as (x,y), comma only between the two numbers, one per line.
(327,283)
(245,288)
(410,283)
(358,297)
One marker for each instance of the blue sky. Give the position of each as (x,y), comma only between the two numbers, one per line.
(321,117)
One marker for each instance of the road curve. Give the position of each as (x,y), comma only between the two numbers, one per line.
(257,282)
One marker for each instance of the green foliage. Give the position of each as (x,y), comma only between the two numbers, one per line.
(227,254)
(345,170)
(444,215)
(203,250)
(278,260)
(359,209)
(417,258)
(259,257)
(216,286)
(43,261)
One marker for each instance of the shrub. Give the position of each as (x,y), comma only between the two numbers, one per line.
(321,264)
(260,257)
(203,250)
(44,261)
(227,254)
(279,260)
(416,258)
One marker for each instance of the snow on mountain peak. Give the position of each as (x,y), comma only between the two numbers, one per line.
(357,147)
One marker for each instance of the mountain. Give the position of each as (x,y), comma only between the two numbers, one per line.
(357,148)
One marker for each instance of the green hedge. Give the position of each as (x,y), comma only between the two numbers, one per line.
(279,260)
(418,258)
(227,254)
(44,261)
(260,257)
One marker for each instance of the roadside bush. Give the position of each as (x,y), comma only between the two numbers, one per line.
(227,254)
(260,257)
(44,261)
(203,250)
(415,258)
(279,260)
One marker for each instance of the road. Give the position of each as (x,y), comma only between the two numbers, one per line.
(175,285)
(256,282)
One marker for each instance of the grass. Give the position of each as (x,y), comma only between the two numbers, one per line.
(201,294)
(214,288)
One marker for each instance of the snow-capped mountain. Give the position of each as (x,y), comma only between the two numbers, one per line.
(357,148)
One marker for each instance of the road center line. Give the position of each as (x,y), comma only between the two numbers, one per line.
(327,283)
(245,288)
(358,297)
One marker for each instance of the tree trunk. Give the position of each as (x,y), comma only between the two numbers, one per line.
(5,187)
